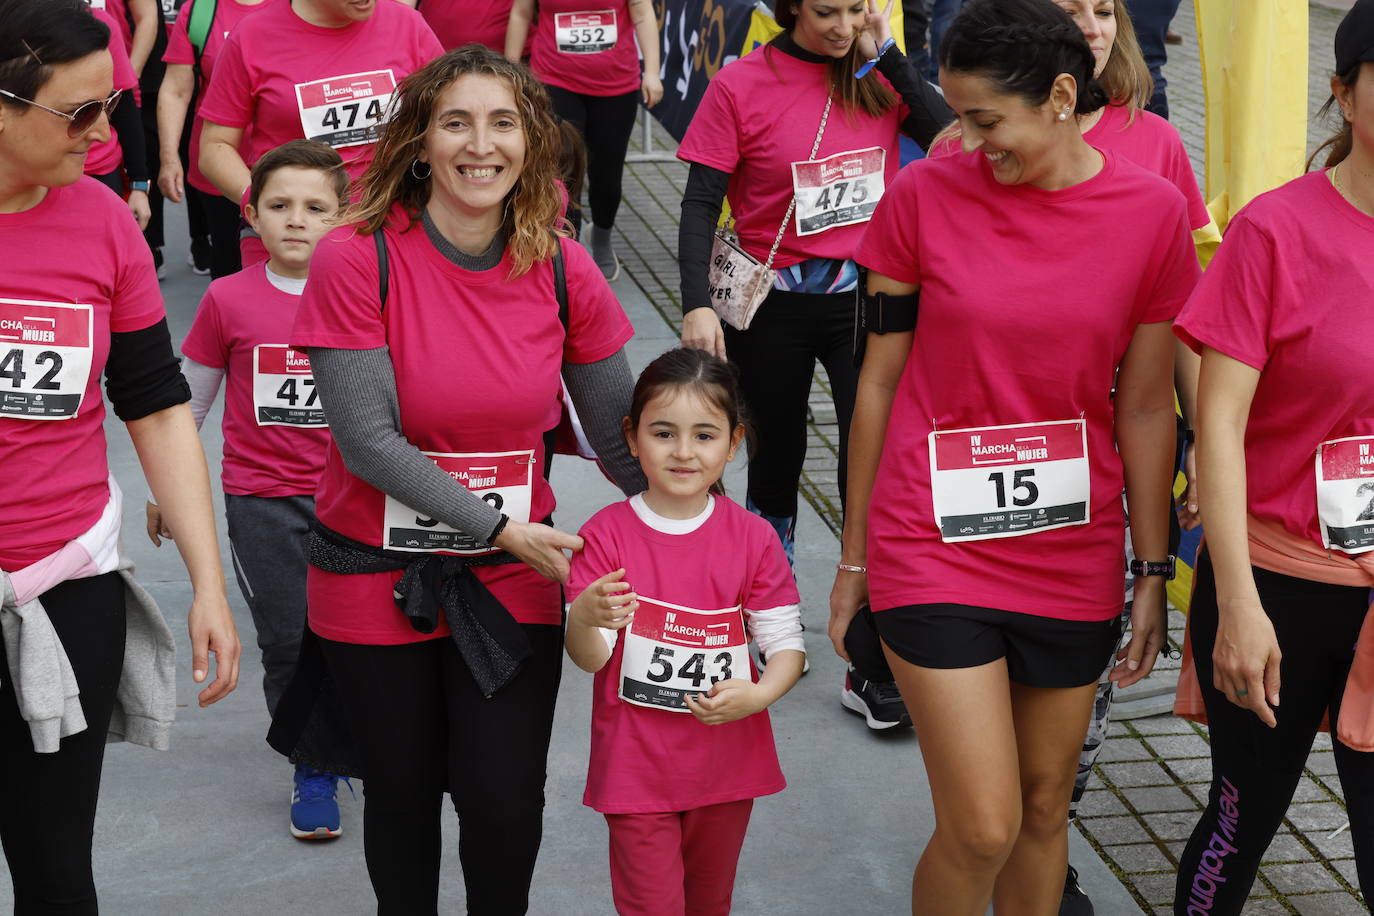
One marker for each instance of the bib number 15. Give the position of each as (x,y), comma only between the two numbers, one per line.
(1022,482)
(693,669)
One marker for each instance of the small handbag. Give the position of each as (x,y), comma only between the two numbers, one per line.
(737,282)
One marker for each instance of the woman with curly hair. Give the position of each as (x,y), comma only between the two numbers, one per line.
(438,320)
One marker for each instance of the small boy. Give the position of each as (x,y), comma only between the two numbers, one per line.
(275,435)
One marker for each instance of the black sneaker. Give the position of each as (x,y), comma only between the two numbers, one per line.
(1074,902)
(879,702)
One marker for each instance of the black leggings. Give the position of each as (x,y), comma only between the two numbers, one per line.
(605,123)
(222,222)
(423,727)
(47,817)
(777,359)
(1255,769)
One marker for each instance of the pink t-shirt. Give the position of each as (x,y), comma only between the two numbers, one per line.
(76,269)
(118,21)
(228,14)
(1153,143)
(1289,294)
(288,79)
(459,22)
(477,356)
(274,430)
(757,120)
(643,759)
(1029,299)
(108,156)
(586,46)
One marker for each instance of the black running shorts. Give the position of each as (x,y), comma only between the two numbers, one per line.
(1040,651)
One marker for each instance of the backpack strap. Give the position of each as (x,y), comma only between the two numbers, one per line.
(198,28)
(560,283)
(383,267)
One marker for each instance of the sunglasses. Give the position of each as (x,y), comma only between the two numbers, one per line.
(83,119)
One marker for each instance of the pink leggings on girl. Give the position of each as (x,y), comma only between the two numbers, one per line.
(680,863)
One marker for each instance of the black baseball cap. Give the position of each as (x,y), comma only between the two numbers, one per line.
(1355,36)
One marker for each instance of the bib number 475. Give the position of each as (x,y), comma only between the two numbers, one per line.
(693,669)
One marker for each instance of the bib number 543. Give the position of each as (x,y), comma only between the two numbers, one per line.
(693,669)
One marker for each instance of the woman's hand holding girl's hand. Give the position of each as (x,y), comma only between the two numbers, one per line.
(651,89)
(701,331)
(876,31)
(1149,631)
(1245,660)
(608,602)
(727,701)
(540,547)
(847,595)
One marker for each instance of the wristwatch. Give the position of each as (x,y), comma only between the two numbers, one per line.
(1149,568)
(139,186)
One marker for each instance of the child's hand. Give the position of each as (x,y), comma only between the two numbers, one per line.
(156,526)
(608,602)
(727,701)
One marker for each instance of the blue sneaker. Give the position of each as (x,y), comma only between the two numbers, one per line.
(314,805)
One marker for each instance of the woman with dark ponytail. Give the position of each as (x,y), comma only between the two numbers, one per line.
(86,651)
(988,452)
(1284,324)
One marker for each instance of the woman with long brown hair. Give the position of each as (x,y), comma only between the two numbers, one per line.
(806,120)
(434,325)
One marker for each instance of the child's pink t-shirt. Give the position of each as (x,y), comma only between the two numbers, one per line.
(228,14)
(477,356)
(757,121)
(76,269)
(288,79)
(1029,299)
(107,156)
(275,435)
(586,46)
(1291,294)
(1154,144)
(647,760)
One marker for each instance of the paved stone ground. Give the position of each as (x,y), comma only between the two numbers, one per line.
(1153,776)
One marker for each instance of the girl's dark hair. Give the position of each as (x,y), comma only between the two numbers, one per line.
(572,163)
(37,34)
(869,95)
(1022,46)
(1337,146)
(301,154)
(712,377)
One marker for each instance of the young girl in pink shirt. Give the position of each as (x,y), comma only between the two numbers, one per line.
(671,586)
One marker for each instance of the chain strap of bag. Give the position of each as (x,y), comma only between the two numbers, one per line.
(738,283)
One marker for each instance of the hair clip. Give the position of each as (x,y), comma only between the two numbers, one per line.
(28,47)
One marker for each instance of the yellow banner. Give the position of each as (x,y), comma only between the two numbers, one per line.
(1254,74)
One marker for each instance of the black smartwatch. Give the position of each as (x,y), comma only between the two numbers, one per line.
(1148,568)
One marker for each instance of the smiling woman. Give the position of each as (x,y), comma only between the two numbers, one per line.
(442,293)
(78,298)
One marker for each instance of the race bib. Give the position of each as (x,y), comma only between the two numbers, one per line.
(501,478)
(1345,494)
(45,358)
(1007,481)
(346,110)
(672,652)
(839,191)
(96,4)
(169,10)
(585,33)
(283,389)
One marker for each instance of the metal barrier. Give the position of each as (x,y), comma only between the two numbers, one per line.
(646,142)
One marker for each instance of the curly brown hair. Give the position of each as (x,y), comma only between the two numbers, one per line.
(532,208)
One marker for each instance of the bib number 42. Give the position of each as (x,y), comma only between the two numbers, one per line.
(12,368)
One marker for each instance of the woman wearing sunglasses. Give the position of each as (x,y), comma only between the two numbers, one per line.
(86,651)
